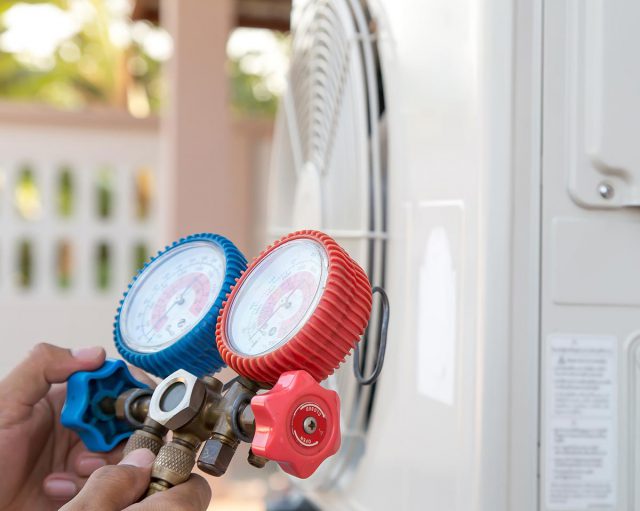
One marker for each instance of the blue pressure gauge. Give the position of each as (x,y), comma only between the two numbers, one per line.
(167,318)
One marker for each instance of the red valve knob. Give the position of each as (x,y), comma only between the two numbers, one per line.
(297,423)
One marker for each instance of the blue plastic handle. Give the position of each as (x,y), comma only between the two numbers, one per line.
(99,430)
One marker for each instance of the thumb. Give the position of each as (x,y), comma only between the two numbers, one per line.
(46,364)
(114,487)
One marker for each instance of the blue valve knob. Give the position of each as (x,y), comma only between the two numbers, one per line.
(88,409)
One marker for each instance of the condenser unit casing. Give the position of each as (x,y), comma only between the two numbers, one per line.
(495,185)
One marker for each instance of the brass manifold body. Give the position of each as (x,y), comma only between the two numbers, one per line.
(196,411)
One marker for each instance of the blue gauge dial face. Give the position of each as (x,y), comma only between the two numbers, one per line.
(278,297)
(172,295)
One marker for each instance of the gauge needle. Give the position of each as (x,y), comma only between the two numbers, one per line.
(284,302)
(179,301)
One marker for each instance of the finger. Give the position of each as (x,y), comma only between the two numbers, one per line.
(192,495)
(115,487)
(140,375)
(47,364)
(85,463)
(114,457)
(60,486)
(80,459)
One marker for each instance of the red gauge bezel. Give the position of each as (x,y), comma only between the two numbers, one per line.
(332,331)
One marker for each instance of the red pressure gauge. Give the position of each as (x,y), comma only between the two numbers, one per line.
(301,305)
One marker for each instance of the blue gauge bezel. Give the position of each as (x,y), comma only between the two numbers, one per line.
(196,350)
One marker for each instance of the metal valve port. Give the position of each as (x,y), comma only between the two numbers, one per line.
(199,411)
(208,417)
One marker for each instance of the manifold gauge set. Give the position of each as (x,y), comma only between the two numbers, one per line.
(283,324)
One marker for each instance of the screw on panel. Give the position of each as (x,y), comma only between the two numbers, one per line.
(605,190)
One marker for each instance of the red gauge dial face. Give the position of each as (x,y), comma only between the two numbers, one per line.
(172,295)
(285,306)
(278,297)
(191,291)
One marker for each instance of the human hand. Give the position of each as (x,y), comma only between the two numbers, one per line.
(45,463)
(115,488)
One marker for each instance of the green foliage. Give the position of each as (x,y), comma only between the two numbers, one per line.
(65,194)
(104,193)
(257,68)
(87,69)
(244,99)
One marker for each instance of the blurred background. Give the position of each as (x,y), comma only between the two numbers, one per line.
(125,124)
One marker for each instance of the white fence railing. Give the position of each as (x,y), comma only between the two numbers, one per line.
(78,213)
(82,201)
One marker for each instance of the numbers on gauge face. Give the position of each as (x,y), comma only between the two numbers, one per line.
(278,297)
(172,296)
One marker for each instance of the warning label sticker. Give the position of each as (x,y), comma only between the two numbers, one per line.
(581,422)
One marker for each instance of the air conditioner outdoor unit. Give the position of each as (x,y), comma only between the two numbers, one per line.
(481,160)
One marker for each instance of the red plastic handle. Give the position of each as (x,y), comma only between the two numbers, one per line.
(297,423)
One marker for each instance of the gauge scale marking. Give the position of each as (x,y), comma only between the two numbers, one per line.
(278,297)
(175,293)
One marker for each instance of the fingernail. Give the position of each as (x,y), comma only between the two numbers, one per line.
(139,458)
(87,354)
(60,488)
(90,464)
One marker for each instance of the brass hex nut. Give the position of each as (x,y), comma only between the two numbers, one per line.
(119,406)
(177,400)
(256,461)
(215,457)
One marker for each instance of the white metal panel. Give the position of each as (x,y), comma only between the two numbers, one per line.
(597,249)
(590,255)
(603,104)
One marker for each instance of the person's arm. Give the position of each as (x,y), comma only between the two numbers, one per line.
(46,463)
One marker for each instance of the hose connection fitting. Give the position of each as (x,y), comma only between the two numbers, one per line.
(198,411)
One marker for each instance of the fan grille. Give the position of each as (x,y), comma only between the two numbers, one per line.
(319,69)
